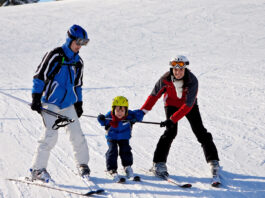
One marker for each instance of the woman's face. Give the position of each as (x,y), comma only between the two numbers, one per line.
(178,73)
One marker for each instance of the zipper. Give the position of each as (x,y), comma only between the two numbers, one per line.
(70,74)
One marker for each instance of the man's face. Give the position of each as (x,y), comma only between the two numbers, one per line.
(74,47)
(178,72)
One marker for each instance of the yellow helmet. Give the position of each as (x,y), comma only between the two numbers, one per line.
(120,101)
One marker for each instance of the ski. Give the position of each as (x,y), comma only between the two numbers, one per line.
(93,187)
(174,182)
(45,185)
(90,184)
(169,180)
(216,182)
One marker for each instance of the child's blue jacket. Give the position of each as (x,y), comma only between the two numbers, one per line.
(123,129)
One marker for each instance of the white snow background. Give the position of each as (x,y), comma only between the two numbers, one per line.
(131,45)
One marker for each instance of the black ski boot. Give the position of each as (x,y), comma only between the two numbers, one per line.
(84,170)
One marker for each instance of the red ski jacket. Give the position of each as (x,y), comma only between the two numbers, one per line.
(165,85)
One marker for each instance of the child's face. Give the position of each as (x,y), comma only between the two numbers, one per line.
(120,112)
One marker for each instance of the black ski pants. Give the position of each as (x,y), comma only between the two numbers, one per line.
(204,137)
(124,152)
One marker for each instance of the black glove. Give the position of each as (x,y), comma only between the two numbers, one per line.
(36,102)
(78,108)
(167,123)
(101,117)
(133,121)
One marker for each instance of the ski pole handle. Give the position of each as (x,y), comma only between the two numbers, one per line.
(61,121)
(57,115)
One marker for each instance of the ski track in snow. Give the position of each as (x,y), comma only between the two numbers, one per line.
(131,44)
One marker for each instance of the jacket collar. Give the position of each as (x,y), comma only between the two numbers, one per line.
(69,53)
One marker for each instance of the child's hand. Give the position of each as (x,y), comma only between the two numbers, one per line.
(101,117)
(133,121)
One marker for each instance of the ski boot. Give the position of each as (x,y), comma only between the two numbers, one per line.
(216,181)
(84,170)
(40,174)
(160,169)
(129,171)
(214,165)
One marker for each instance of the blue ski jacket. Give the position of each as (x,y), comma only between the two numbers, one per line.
(59,77)
(120,130)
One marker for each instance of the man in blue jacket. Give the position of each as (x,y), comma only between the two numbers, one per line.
(57,86)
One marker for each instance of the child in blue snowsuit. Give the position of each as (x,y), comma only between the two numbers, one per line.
(118,133)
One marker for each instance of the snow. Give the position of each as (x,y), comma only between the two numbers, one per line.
(131,44)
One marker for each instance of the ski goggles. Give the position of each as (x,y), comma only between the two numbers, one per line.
(177,64)
(81,41)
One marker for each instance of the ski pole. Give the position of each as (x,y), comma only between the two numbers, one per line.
(90,116)
(143,122)
(61,119)
(147,122)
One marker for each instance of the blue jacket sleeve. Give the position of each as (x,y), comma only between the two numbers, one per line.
(38,85)
(138,115)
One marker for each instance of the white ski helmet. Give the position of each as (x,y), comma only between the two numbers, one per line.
(180,58)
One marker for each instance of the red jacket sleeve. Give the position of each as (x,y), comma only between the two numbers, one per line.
(159,89)
(149,103)
(183,110)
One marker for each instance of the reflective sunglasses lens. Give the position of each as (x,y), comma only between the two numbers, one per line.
(178,64)
(181,64)
(173,63)
(80,41)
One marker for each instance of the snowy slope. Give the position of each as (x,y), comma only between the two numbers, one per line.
(131,44)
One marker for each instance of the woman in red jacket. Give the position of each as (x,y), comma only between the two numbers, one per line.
(180,87)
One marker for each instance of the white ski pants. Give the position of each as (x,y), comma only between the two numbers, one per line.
(50,136)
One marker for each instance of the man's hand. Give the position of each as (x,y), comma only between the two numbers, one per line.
(78,108)
(36,102)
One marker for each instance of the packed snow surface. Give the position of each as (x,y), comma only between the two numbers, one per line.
(131,43)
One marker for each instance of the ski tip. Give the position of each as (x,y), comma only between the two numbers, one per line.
(90,193)
(137,178)
(186,186)
(216,184)
(99,191)
(93,192)
(122,180)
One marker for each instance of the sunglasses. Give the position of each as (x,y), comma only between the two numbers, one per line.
(177,64)
(80,41)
